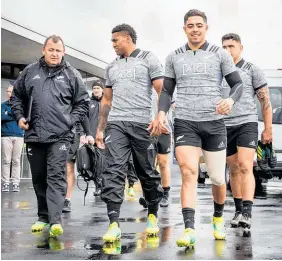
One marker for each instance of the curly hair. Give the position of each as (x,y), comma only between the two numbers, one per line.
(195,12)
(127,29)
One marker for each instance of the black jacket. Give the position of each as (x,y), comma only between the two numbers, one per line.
(90,122)
(60,99)
(94,112)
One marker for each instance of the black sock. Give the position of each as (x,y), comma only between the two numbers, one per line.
(153,209)
(189,217)
(166,191)
(113,212)
(218,209)
(238,204)
(247,207)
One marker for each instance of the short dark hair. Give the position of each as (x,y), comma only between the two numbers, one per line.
(195,12)
(127,29)
(55,39)
(231,36)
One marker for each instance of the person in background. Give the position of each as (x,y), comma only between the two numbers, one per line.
(11,145)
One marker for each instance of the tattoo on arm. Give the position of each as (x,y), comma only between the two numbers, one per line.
(263,96)
(104,117)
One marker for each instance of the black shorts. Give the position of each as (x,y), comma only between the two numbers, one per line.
(73,149)
(243,135)
(164,144)
(208,135)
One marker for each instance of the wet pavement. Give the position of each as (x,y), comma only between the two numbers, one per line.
(85,225)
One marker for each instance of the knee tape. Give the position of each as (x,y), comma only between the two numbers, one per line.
(215,163)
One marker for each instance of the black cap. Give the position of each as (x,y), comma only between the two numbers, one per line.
(98,83)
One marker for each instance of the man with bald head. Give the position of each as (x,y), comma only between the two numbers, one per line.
(50,98)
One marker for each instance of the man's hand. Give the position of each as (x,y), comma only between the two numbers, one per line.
(266,136)
(154,128)
(82,139)
(158,126)
(90,140)
(224,106)
(99,139)
(23,124)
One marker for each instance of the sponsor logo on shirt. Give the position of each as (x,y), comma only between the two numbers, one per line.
(197,68)
(126,74)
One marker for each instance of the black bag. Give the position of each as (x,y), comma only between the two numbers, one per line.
(89,165)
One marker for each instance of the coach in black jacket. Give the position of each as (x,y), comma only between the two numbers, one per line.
(59,100)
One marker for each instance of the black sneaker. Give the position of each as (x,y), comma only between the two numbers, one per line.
(164,202)
(143,202)
(272,159)
(67,206)
(262,157)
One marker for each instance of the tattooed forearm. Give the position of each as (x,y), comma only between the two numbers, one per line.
(263,96)
(266,108)
(104,117)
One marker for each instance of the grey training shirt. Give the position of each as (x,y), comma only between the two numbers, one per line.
(245,109)
(131,81)
(198,75)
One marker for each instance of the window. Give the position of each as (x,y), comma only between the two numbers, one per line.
(276,101)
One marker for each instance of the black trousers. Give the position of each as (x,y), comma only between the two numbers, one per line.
(123,139)
(48,169)
(131,173)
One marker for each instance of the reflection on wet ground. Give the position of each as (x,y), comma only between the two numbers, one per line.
(85,225)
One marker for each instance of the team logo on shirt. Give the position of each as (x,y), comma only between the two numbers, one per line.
(179,137)
(126,74)
(198,68)
(60,78)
